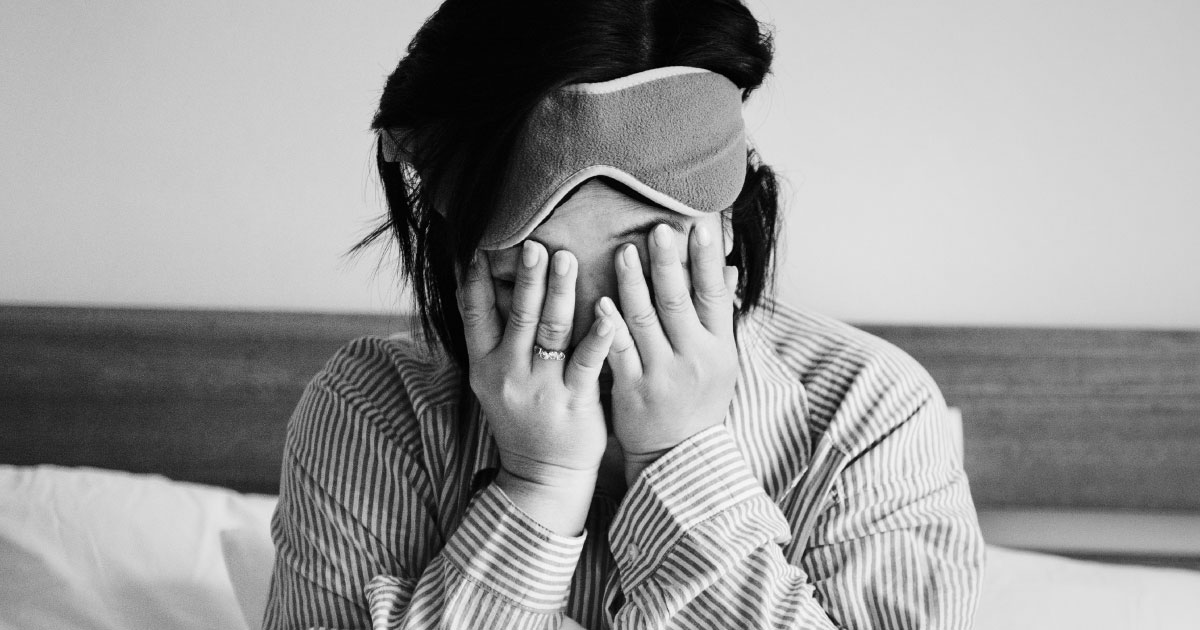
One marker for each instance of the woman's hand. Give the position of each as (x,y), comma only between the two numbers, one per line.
(545,415)
(674,366)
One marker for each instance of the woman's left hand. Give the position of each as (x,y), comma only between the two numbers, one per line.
(674,366)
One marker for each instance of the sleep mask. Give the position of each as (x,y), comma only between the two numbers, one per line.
(674,135)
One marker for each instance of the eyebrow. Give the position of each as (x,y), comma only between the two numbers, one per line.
(645,227)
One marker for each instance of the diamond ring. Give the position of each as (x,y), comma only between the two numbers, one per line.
(548,355)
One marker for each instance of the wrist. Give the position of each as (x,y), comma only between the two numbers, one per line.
(559,503)
(635,463)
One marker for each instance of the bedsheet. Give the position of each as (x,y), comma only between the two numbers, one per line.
(102,549)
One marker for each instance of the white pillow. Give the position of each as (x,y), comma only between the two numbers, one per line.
(100,549)
(1035,591)
(249,556)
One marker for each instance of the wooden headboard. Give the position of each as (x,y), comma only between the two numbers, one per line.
(1081,442)
(1053,418)
(1070,417)
(194,395)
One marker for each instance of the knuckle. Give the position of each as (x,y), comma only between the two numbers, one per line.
(473,315)
(576,403)
(675,303)
(622,346)
(632,277)
(560,287)
(643,318)
(466,281)
(512,393)
(528,281)
(712,290)
(712,297)
(665,261)
(586,357)
(553,330)
(652,384)
(522,318)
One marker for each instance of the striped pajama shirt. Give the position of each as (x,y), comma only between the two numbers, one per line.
(832,497)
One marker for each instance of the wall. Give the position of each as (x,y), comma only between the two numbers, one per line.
(1010,162)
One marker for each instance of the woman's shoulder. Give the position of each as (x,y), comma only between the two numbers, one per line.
(375,391)
(376,417)
(841,367)
(810,340)
(387,372)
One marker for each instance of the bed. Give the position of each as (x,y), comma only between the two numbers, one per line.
(140,451)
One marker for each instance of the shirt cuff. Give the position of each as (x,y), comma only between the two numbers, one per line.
(503,549)
(703,477)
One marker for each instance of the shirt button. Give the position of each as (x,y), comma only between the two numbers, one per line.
(633,551)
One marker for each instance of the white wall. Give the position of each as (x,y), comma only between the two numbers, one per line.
(209,153)
(1015,161)
(1010,162)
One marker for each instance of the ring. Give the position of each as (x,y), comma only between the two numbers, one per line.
(548,355)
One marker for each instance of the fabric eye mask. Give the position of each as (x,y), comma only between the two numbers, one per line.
(674,135)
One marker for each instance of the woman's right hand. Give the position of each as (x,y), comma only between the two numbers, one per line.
(545,415)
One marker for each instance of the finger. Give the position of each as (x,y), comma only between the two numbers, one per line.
(554,329)
(713,299)
(672,296)
(638,311)
(477,306)
(731,284)
(623,355)
(583,370)
(528,293)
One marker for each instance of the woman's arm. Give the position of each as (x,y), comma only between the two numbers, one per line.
(697,540)
(700,544)
(358,533)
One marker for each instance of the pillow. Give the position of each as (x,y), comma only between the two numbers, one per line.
(1032,591)
(91,548)
(249,556)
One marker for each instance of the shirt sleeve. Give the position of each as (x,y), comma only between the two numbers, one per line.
(698,544)
(895,543)
(357,533)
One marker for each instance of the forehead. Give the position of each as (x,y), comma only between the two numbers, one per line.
(597,212)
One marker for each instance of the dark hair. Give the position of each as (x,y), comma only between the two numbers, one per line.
(473,72)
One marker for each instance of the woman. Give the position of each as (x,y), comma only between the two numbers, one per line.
(609,423)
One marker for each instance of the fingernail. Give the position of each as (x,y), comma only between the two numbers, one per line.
(630,257)
(529,254)
(562,263)
(606,306)
(604,328)
(662,235)
(703,236)
(475,258)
